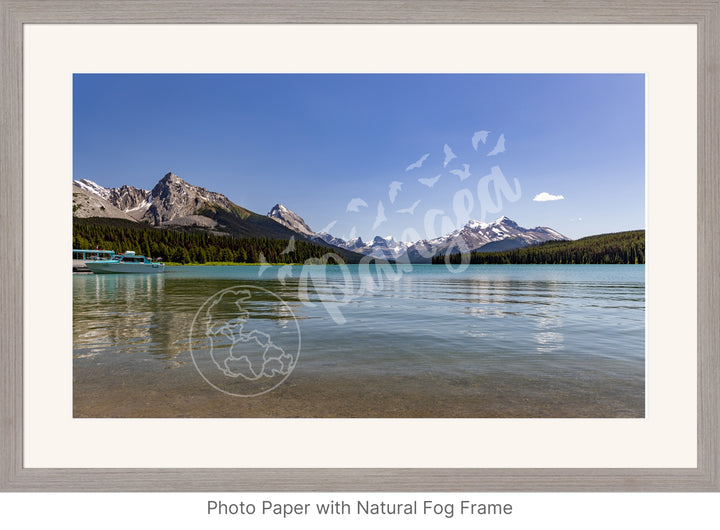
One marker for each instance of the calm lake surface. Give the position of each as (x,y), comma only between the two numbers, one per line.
(490,341)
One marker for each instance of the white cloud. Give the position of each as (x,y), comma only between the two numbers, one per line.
(545,196)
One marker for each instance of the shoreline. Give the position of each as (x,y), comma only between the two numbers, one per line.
(230,264)
(309,395)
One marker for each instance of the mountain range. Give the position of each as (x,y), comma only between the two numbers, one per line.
(175,204)
(501,234)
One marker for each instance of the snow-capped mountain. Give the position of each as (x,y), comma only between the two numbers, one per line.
(379,247)
(132,202)
(91,200)
(472,236)
(287,217)
(91,187)
(171,202)
(386,247)
(337,241)
(476,234)
(174,202)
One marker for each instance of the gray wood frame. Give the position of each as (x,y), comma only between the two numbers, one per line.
(14,13)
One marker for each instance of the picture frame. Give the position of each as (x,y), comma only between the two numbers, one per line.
(15,477)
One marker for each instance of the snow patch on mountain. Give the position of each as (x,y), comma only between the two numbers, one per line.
(473,235)
(92,187)
(290,219)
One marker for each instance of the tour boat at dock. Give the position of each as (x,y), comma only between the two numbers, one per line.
(81,258)
(127,263)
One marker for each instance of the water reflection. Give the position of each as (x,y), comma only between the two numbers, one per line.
(549,323)
(147,314)
(486,320)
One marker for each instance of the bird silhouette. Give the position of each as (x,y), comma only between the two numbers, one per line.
(380,218)
(418,163)
(328,227)
(463,173)
(290,246)
(284,272)
(499,146)
(355,204)
(429,182)
(479,136)
(264,265)
(395,186)
(410,210)
(449,155)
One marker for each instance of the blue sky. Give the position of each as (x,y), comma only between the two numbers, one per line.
(315,142)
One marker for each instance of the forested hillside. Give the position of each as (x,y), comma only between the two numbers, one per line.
(187,246)
(620,247)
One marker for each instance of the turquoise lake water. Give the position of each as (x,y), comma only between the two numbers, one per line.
(489,341)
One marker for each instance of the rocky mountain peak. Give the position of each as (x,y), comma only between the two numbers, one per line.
(170,177)
(504,220)
(128,198)
(290,219)
(170,182)
(171,200)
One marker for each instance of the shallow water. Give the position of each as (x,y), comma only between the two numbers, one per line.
(372,341)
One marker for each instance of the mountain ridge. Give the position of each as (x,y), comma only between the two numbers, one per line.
(175,203)
(472,236)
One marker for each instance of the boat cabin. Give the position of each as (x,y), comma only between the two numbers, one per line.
(130,257)
(92,255)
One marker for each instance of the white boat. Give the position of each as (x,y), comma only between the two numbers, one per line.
(81,258)
(127,263)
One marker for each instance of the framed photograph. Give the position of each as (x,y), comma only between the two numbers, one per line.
(446,246)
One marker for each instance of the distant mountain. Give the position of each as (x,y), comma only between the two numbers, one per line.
(337,241)
(290,219)
(615,248)
(500,235)
(385,247)
(510,243)
(379,247)
(476,234)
